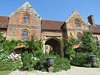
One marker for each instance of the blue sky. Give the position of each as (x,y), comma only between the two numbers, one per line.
(55,9)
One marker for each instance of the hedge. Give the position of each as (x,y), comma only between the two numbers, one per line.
(8,66)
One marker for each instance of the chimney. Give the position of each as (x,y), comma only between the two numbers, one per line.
(91,19)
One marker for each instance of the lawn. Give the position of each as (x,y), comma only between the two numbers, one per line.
(4,72)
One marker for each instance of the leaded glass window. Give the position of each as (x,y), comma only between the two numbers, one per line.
(26,19)
(24,35)
(79,37)
(76,24)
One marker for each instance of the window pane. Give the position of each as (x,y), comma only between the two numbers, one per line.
(26,19)
(26,37)
(22,37)
(76,24)
(79,37)
(24,32)
(95,38)
(46,47)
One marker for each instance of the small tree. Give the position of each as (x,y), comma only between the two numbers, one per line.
(69,46)
(88,42)
(27,61)
(36,47)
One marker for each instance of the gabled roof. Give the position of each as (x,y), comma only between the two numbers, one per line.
(4,21)
(96,29)
(76,15)
(26,7)
(51,25)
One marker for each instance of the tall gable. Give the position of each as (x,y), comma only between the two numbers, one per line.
(76,15)
(25,9)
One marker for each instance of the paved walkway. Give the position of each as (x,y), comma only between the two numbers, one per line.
(73,71)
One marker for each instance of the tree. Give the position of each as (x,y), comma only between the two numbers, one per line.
(69,46)
(88,42)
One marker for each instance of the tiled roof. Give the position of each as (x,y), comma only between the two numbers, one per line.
(96,29)
(51,25)
(4,21)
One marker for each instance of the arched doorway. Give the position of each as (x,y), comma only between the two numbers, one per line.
(55,44)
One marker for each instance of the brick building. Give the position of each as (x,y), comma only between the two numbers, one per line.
(25,22)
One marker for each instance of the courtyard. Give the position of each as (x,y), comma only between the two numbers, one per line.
(73,71)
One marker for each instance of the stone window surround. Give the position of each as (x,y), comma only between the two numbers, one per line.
(23,18)
(23,31)
(26,19)
(76,20)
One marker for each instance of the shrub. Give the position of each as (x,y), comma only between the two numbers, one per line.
(3,57)
(61,64)
(27,61)
(8,66)
(41,63)
(98,63)
(80,59)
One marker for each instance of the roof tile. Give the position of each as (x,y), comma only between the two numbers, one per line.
(95,28)
(4,21)
(51,25)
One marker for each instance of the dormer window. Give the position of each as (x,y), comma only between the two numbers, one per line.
(76,24)
(24,35)
(26,19)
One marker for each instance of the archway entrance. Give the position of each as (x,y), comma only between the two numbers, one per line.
(55,44)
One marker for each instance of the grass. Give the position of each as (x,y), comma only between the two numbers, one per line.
(4,72)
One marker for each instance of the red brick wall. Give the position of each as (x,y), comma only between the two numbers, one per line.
(74,30)
(16,26)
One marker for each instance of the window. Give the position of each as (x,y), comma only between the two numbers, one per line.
(26,19)
(95,38)
(24,35)
(79,37)
(76,24)
(89,26)
(46,47)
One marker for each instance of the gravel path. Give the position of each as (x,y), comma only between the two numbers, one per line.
(73,71)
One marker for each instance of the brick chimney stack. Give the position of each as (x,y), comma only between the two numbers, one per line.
(91,19)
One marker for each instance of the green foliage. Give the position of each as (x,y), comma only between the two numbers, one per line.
(88,42)
(3,57)
(61,64)
(69,46)
(27,61)
(8,66)
(42,63)
(4,72)
(98,63)
(35,46)
(8,46)
(80,59)
(2,39)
